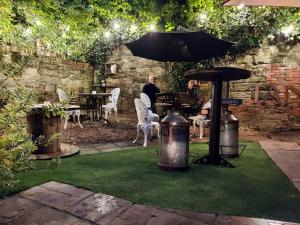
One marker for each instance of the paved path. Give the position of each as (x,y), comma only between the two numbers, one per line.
(63,204)
(287,157)
(111,147)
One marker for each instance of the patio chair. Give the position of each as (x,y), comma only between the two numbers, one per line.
(146,100)
(112,104)
(63,97)
(145,122)
(202,120)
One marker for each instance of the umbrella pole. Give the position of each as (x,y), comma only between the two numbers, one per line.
(214,157)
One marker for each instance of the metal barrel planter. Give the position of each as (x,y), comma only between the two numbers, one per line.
(39,125)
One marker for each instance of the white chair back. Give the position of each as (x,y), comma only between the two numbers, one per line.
(146,100)
(62,96)
(114,96)
(207,105)
(141,111)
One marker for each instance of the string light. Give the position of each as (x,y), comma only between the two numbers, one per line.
(37,22)
(27,32)
(271,36)
(107,34)
(287,30)
(133,28)
(116,26)
(241,6)
(202,17)
(66,28)
(151,27)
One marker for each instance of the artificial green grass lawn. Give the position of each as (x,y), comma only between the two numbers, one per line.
(256,187)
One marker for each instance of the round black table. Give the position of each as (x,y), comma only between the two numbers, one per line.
(217,76)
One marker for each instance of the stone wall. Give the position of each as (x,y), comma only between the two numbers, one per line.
(132,74)
(272,94)
(45,73)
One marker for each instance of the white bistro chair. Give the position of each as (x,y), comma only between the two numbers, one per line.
(63,97)
(112,104)
(201,120)
(145,122)
(146,100)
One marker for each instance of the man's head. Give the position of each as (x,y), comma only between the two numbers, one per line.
(191,84)
(152,79)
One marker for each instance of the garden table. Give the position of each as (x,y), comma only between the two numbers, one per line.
(94,102)
(217,76)
(102,88)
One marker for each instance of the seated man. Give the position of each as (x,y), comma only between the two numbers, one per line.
(206,109)
(192,90)
(151,90)
(202,119)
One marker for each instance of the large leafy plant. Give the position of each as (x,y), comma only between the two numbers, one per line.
(15,143)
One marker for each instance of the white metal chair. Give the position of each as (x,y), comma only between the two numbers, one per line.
(112,104)
(63,97)
(146,100)
(201,120)
(145,122)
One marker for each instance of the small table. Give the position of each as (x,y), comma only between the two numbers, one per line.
(217,75)
(94,102)
(172,101)
(101,88)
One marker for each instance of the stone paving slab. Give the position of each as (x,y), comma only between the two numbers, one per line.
(206,218)
(22,211)
(146,215)
(57,195)
(58,203)
(87,149)
(100,208)
(235,220)
(278,145)
(287,157)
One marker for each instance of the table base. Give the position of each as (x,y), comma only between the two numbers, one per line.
(208,159)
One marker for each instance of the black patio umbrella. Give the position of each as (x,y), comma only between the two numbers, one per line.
(179,46)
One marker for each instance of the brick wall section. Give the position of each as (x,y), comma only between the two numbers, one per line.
(271,65)
(45,73)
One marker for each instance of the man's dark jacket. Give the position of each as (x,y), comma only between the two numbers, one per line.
(150,90)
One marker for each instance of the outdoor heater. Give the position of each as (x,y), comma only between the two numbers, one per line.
(174,142)
(174,135)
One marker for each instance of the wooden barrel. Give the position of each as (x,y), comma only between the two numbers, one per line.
(38,124)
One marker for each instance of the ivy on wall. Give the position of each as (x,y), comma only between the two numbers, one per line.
(87,30)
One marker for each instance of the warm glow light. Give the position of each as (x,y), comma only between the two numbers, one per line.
(107,34)
(66,28)
(27,32)
(271,36)
(151,27)
(287,30)
(241,6)
(116,26)
(133,27)
(37,22)
(202,17)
